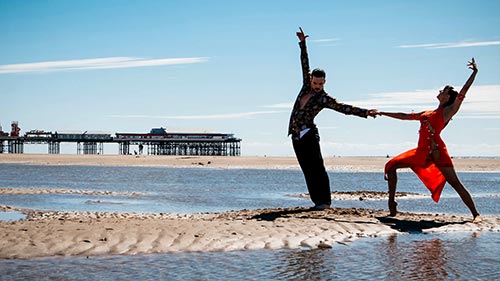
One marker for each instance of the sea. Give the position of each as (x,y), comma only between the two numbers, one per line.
(411,256)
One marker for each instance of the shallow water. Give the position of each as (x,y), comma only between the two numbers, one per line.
(464,256)
(417,256)
(189,190)
(11,216)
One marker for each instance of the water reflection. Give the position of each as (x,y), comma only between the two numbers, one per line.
(403,257)
(304,264)
(449,256)
(422,260)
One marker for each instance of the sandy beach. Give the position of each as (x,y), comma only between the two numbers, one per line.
(51,233)
(362,164)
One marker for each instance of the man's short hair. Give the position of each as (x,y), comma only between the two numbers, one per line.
(319,73)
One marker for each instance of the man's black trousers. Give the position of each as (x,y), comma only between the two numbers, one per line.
(308,154)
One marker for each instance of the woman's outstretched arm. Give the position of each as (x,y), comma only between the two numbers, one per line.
(453,109)
(401,115)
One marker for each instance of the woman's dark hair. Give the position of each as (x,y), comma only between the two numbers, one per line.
(318,73)
(452,93)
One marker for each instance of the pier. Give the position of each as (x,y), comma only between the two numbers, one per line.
(156,142)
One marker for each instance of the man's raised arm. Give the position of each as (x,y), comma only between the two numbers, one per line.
(304,58)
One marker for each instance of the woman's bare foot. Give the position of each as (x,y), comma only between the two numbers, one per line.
(393,208)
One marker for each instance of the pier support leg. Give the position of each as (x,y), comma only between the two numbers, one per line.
(124,148)
(16,147)
(54,147)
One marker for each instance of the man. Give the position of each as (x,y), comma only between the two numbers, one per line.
(311,100)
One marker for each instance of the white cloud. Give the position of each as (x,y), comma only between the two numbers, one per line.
(96,63)
(481,101)
(478,149)
(199,117)
(332,148)
(451,45)
(326,40)
(280,146)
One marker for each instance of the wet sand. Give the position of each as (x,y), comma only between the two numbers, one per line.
(46,233)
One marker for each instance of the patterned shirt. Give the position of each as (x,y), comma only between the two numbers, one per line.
(301,119)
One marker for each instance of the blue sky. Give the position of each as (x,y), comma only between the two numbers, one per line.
(233,67)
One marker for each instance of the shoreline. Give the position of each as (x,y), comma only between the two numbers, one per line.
(346,164)
(50,233)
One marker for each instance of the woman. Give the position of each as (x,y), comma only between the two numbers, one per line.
(430,160)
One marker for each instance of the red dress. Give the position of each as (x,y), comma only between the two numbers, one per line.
(419,159)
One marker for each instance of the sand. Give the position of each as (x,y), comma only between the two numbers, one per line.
(46,233)
(364,164)
(50,233)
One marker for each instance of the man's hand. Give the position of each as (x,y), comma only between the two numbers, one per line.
(301,35)
(373,113)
